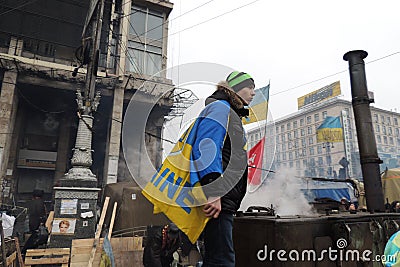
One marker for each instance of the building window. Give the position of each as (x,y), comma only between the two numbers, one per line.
(310,140)
(282,128)
(395,121)
(302,132)
(390,130)
(290,145)
(296,143)
(303,152)
(324,115)
(319,149)
(304,163)
(303,142)
(301,122)
(284,156)
(283,138)
(296,134)
(328,160)
(311,151)
(309,130)
(316,117)
(145,41)
(291,164)
(283,147)
(396,131)
(320,161)
(376,118)
(382,119)
(289,136)
(294,124)
(385,140)
(391,140)
(377,128)
(288,126)
(384,129)
(308,119)
(378,137)
(290,155)
(389,121)
(277,129)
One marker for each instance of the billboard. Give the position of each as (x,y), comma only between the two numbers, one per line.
(323,93)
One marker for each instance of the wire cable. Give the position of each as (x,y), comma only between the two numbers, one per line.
(18,7)
(331,75)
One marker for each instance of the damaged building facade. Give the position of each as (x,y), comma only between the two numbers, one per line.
(40,47)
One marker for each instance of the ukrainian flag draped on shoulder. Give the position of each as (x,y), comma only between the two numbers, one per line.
(175,188)
(330,130)
(258,108)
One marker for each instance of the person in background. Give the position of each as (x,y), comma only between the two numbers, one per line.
(37,218)
(36,210)
(161,244)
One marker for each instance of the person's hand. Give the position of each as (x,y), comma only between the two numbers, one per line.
(213,207)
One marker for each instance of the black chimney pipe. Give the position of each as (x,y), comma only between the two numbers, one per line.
(369,158)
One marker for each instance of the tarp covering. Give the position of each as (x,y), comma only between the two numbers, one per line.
(332,190)
(391,184)
(335,194)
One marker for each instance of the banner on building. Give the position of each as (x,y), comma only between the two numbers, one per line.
(258,108)
(323,93)
(330,130)
(255,163)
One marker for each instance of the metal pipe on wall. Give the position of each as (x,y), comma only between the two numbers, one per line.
(369,158)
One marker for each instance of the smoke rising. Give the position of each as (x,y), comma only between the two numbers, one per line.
(283,191)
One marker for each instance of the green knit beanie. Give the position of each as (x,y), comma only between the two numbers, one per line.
(239,80)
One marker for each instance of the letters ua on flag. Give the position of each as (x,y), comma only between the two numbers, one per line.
(258,108)
(330,130)
(255,163)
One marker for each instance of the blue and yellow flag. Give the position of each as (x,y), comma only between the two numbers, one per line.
(330,130)
(175,188)
(392,251)
(258,108)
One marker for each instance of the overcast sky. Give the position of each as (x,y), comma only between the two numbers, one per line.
(292,43)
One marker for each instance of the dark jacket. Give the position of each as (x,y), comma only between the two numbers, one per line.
(234,155)
(155,254)
(37,213)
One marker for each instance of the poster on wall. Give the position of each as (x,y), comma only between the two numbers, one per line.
(69,206)
(63,226)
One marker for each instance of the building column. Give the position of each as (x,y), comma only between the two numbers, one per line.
(63,147)
(8,111)
(115,136)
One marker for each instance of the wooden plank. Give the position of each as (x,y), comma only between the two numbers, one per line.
(11,259)
(19,255)
(49,221)
(30,261)
(98,232)
(47,252)
(137,243)
(112,220)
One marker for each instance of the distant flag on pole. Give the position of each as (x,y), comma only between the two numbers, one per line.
(330,130)
(258,108)
(255,162)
